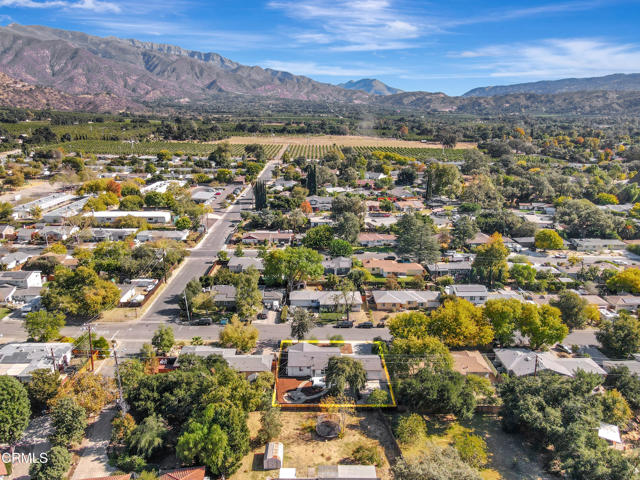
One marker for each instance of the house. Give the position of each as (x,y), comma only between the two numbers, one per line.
(632,365)
(337,265)
(325,301)
(22,279)
(7,232)
(265,236)
(6,293)
(320,204)
(59,215)
(332,472)
(190,473)
(25,235)
(20,359)
(454,269)
(521,362)
(126,476)
(153,235)
(245,364)
(111,234)
(308,360)
(618,303)
(393,300)
(204,195)
(57,233)
(151,216)
(372,239)
(15,259)
(241,264)
(597,244)
(385,268)
(273,456)
(317,220)
(225,295)
(44,203)
(409,205)
(525,242)
(474,293)
(479,239)
(472,362)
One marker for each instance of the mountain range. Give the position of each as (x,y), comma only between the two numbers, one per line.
(371,86)
(45,67)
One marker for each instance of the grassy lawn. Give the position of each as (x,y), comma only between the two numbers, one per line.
(510,456)
(4,312)
(303,449)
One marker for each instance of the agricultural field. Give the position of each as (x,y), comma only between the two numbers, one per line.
(420,153)
(341,140)
(86,131)
(151,148)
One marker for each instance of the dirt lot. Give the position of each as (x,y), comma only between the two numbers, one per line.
(303,449)
(511,457)
(345,140)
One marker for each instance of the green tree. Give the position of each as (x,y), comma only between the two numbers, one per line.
(436,464)
(542,324)
(260,195)
(55,468)
(43,326)
(270,424)
(345,370)
(490,264)
(627,280)
(464,228)
(416,238)
(217,437)
(411,429)
(301,323)
(615,408)
(14,410)
(472,449)
(163,339)
(546,239)
(183,223)
(6,210)
(348,227)
(340,248)
(573,309)
(442,179)
(69,422)
(248,296)
(237,335)
(622,337)
(318,238)
(292,265)
(148,437)
(459,323)
(43,387)
(627,384)
(524,275)
(504,315)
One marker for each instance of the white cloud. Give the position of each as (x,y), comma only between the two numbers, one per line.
(359,25)
(556,58)
(98,6)
(312,68)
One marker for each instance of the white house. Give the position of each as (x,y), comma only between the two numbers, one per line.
(476,294)
(151,216)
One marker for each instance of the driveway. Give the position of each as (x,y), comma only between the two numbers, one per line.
(93,460)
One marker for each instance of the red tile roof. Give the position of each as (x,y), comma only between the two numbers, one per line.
(194,473)
(112,477)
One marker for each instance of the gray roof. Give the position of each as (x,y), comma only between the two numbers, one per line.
(404,296)
(240,363)
(337,262)
(520,362)
(347,472)
(632,365)
(327,297)
(469,289)
(224,293)
(246,262)
(20,359)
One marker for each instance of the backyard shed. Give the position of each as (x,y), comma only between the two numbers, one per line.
(273,456)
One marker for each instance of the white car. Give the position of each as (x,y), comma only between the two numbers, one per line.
(318,382)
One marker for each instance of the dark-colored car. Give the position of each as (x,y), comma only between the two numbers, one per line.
(344,324)
(380,325)
(204,321)
(390,257)
(365,325)
(262,315)
(359,252)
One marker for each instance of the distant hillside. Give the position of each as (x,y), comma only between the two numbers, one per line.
(15,93)
(370,85)
(572,103)
(77,63)
(619,82)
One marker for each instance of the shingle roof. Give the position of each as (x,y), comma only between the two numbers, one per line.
(195,473)
(404,296)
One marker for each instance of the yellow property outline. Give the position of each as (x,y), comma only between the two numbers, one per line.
(287,342)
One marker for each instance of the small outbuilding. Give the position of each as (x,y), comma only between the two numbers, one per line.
(273,456)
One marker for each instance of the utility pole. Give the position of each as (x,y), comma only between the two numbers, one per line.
(186,304)
(53,356)
(120,395)
(91,348)
(535,368)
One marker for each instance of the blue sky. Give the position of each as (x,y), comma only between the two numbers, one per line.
(446,45)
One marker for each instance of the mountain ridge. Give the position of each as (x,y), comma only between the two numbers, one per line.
(372,86)
(622,82)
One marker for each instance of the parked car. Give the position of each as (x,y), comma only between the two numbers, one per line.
(380,325)
(224,321)
(365,325)
(344,324)
(262,315)
(203,321)
(359,252)
(390,257)
(564,348)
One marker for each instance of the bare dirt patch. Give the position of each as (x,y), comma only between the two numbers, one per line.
(303,448)
(344,140)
